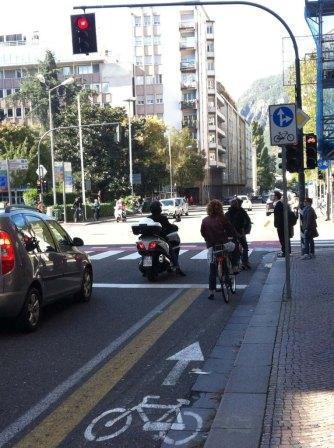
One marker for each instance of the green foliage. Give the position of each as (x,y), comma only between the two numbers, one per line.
(265,162)
(30,196)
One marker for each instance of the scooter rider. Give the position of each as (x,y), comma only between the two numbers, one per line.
(167,228)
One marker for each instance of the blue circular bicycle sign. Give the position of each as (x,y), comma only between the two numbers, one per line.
(323,164)
(283,117)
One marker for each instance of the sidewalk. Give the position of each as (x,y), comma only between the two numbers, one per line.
(280,392)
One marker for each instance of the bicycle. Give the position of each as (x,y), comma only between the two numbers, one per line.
(161,425)
(282,136)
(225,272)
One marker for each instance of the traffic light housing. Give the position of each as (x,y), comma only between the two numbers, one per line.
(294,158)
(311,151)
(83,33)
(321,175)
(45,186)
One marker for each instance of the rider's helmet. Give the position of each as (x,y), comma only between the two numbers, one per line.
(155,208)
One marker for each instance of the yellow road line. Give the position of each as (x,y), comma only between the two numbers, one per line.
(67,416)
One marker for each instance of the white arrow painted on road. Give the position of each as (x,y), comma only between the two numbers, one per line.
(191,353)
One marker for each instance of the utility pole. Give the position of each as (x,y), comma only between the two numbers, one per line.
(170,164)
(83,186)
(286,228)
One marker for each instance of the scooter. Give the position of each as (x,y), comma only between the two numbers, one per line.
(120,215)
(153,249)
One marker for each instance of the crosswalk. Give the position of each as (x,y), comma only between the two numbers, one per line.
(193,253)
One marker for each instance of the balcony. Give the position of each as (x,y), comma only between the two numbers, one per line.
(187,25)
(212,127)
(221,149)
(220,114)
(221,131)
(189,124)
(188,84)
(212,145)
(221,164)
(187,66)
(187,44)
(189,104)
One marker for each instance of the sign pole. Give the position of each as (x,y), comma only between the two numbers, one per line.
(64,194)
(8,183)
(286,228)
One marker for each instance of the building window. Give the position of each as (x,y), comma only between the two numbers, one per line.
(149,79)
(139,60)
(156,19)
(8,92)
(140,100)
(189,96)
(10,113)
(18,73)
(96,68)
(157,59)
(211,83)
(95,87)
(160,116)
(157,40)
(159,99)
(210,47)
(211,121)
(26,111)
(138,41)
(139,80)
(147,40)
(18,112)
(209,29)
(158,79)
(84,69)
(137,21)
(212,138)
(105,87)
(1,93)
(67,71)
(147,20)
(9,74)
(211,65)
(150,99)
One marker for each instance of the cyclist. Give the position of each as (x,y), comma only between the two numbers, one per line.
(241,222)
(216,229)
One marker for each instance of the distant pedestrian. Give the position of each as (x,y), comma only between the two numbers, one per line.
(96,210)
(191,200)
(279,222)
(240,220)
(309,229)
(77,209)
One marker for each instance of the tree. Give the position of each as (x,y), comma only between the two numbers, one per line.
(265,162)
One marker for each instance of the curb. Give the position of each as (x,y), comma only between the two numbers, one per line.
(239,419)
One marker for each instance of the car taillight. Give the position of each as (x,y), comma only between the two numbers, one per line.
(153,245)
(141,245)
(7,252)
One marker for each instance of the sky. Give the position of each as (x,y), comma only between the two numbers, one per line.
(248,40)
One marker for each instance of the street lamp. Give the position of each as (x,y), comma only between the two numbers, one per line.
(83,186)
(66,82)
(129,101)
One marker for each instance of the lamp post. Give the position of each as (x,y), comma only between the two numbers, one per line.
(129,101)
(66,82)
(83,186)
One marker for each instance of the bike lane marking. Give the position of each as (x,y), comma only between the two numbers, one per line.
(68,415)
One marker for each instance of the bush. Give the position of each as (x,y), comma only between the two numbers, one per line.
(30,196)
(106,211)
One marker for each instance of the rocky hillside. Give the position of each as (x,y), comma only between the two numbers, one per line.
(253,104)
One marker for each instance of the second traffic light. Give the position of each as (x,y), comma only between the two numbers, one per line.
(311,151)
(83,33)
(294,158)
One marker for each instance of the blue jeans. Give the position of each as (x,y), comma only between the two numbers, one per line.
(308,244)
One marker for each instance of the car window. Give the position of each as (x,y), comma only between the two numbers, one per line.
(60,234)
(167,202)
(40,231)
(22,227)
(177,201)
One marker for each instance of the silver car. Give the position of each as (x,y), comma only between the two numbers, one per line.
(184,206)
(171,207)
(39,264)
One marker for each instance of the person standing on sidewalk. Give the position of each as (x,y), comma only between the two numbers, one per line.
(96,209)
(240,220)
(309,229)
(279,222)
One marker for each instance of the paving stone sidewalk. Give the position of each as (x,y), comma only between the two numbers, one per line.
(300,402)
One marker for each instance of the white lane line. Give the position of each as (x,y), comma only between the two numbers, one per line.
(108,253)
(33,413)
(133,256)
(156,285)
(183,251)
(89,251)
(201,255)
(249,252)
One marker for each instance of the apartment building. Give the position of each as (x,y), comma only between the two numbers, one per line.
(175,79)
(19,58)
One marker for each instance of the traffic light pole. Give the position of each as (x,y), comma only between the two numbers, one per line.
(286,228)
(298,94)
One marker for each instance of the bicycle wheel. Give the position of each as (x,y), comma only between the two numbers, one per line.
(233,283)
(222,280)
(199,424)
(290,137)
(92,436)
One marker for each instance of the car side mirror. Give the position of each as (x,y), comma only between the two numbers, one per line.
(77,241)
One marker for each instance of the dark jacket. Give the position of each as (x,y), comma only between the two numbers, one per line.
(167,227)
(217,230)
(239,218)
(309,222)
(279,218)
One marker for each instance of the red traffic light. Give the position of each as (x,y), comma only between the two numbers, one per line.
(311,139)
(82,23)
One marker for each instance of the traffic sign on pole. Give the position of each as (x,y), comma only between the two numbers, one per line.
(323,164)
(283,124)
(41,171)
(302,118)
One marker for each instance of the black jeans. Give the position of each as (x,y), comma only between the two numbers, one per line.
(244,245)
(308,244)
(280,233)
(213,276)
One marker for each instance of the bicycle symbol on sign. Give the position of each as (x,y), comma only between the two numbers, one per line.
(283,136)
(120,419)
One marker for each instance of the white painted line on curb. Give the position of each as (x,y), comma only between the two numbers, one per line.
(108,253)
(33,413)
(156,285)
(201,256)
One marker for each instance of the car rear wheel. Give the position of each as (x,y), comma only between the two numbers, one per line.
(85,292)
(30,316)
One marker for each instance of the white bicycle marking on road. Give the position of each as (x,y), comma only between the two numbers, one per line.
(162,425)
